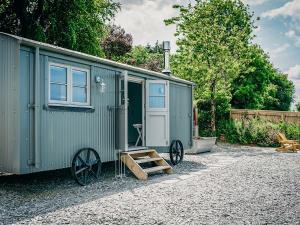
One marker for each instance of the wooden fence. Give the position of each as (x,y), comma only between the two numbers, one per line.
(274,116)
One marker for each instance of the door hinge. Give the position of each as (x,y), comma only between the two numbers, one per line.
(31,106)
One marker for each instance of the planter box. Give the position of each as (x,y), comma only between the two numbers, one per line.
(203,144)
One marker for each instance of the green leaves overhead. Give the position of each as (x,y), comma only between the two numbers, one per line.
(212,43)
(74,24)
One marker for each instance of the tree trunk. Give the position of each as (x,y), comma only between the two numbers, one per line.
(213,107)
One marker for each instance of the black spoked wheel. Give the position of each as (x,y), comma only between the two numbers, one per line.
(176,152)
(86,166)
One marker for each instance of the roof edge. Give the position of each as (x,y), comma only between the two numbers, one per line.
(49,47)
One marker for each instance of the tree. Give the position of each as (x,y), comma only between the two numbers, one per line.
(261,86)
(117,43)
(149,57)
(74,24)
(213,37)
(279,93)
(298,106)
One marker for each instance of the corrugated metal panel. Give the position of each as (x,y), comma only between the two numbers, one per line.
(62,133)
(65,132)
(181,113)
(9,105)
(118,66)
(26,114)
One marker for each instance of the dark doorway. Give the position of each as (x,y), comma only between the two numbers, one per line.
(135,113)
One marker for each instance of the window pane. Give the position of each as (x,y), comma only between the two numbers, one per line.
(79,94)
(58,92)
(157,89)
(79,78)
(58,75)
(157,102)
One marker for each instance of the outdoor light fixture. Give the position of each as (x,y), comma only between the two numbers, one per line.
(101,86)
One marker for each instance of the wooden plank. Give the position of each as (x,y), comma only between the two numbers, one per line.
(134,167)
(270,115)
(145,160)
(157,168)
(161,162)
(138,152)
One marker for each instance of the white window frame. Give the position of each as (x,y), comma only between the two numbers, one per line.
(69,101)
(166,96)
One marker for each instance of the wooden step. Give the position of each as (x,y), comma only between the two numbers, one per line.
(145,160)
(139,152)
(156,168)
(133,160)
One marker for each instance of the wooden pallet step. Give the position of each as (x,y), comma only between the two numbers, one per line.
(157,168)
(134,159)
(145,160)
(139,152)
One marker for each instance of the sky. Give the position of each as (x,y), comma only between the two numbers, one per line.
(278,31)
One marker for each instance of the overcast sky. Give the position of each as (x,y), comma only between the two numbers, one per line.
(278,30)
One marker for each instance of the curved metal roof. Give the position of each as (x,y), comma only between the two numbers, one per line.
(53,48)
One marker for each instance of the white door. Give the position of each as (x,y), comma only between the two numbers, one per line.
(157,113)
(123,112)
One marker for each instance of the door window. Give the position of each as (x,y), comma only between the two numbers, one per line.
(157,95)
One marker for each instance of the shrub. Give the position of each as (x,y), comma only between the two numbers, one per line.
(257,131)
(204,108)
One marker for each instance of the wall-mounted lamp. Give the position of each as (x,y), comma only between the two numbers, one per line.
(101,86)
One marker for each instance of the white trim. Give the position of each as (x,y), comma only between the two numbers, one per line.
(71,106)
(166,96)
(157,112)
(135,79)
(142,82)
(69,85)
(88,87)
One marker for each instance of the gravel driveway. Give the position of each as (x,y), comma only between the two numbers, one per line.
(231,185)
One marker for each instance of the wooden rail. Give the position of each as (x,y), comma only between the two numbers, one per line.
(274,116)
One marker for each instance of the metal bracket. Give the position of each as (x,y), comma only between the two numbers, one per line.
(31,106)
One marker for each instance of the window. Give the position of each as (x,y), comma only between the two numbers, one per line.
(69,85)
(157,95)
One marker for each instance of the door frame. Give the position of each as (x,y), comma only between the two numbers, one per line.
(158,111)
(141,81)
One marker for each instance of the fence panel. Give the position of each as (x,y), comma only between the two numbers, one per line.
(274,116)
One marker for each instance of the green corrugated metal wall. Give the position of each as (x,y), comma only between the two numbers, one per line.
(9,105)
(64,131)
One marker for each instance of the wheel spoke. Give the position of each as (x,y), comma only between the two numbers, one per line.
(94,162)
(81,170)
(86,166)
(88,155)
(81,160)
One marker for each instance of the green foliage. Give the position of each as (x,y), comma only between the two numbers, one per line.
(279,93)
(298,106)
(117,43)
(261,86)
(222,114)
(74,24)
(257,132)
(149,57)
(213,37)
(249,87)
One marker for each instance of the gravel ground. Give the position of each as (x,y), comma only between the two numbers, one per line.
(231,185)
